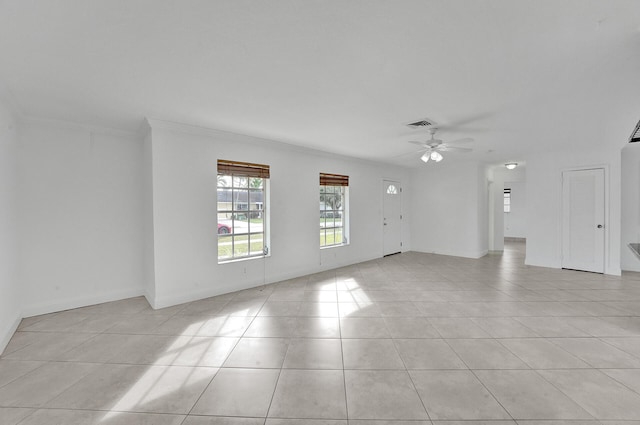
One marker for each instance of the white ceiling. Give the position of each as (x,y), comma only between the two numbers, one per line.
(519,76)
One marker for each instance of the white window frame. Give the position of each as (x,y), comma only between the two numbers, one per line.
(507,200)
(232,212)
(329,215)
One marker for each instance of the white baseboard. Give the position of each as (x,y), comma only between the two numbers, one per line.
(169,300)
(454,253)
(7,332)
(538,262)
(80,301)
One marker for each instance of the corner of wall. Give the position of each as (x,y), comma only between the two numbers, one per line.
(7,332)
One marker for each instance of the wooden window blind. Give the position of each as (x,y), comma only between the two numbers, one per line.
(333,180)
(243,169)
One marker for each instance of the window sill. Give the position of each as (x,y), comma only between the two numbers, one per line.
(239,260)
(334,246)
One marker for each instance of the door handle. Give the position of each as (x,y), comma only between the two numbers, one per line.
(600,226)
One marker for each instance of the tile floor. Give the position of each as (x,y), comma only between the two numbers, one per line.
(409,339)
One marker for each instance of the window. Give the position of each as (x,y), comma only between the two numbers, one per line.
(334,201)
(242,210)
(507,200)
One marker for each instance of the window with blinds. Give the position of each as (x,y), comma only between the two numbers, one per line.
(242,210)
(507,200)
(334,219)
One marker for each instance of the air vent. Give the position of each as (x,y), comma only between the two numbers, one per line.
(635,136)
(421,123)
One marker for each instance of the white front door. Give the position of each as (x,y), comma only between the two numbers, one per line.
(583,220)
(391,217)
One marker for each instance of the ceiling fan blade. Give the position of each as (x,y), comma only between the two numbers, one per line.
(411,153)
(453,149)
(419,143)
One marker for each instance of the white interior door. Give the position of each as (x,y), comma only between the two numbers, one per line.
(392,217)
(583,220)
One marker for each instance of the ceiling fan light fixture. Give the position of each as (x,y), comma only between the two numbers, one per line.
(511,165)
(436,156)
(425,157)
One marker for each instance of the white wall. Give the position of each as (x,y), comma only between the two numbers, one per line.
(630,231)
(449,209)
(80,216)
(147,218)
(10,312)
(184,172)
(544,214)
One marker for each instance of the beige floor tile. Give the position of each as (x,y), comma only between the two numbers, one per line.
(221,420)
(551,327)
(13,415)
(371,354)
(244,308)
(258,353)
(475,422)
(309,394)
(99,349)
(146,350)
(198,351)
(87,417)
(628,377)
(136,388)
(58,322)
(319,309)
(597,393)
(485,354)
(378,422)
(428,354)
(388,395)
(322,296)
(48,346)
(310,353)
(280,308)
(500,318)
(277,421)
(410,327)
(11,370)
(458,328)
(526,395)
(229,326)
(504,327)
(268,327)
(359,309)
(455,395)
(541,353)
(598,354)
(239,392)
(399,309)
(317,327)
(363,327)
(138,324)
(628,345)
(41,385)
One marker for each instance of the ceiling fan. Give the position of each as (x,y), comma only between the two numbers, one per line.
(433,147)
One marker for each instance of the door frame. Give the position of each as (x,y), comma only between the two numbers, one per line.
(606,223)
(399,182)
